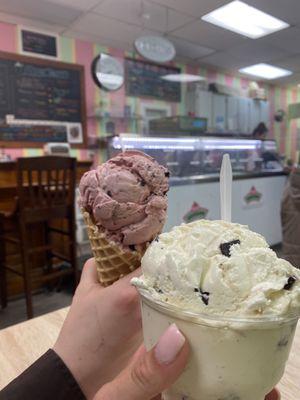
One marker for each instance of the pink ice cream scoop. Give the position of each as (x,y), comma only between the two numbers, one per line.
(127,196)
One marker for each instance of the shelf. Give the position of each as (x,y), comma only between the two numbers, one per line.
(115,117)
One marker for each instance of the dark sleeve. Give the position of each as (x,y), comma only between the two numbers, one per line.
(47,379)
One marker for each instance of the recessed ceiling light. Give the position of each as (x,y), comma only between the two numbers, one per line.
(266,71)
(241,18)
(183,78)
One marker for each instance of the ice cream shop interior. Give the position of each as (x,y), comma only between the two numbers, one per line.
(121,120)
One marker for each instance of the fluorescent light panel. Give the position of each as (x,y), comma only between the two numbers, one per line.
(183,78)
(266,71)
(241,18)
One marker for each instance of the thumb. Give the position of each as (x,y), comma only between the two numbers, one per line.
(149,373)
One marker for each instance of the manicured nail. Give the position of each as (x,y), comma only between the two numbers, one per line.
(169,345)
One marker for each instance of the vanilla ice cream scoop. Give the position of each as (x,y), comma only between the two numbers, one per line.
(219,268)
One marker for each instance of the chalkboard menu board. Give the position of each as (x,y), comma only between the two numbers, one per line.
(144,79)
(39,90)
(39,43)
(33,134)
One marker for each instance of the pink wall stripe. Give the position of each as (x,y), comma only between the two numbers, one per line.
(229,80)
(272,111)
(212,76)
(118,98)
(284,128)
(293,128)
(84,55)
(8,37)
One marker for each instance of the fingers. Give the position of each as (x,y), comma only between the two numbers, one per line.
(127,278)
(89,272)
(274,395)
(151,372)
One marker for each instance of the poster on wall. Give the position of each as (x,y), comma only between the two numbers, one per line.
(253,198)
(38,43)
(196,212)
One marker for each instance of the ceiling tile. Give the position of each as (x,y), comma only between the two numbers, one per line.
(208,35)
(292,80)
(287,39)
(177,19)
(125,10)
(186,60)
(292,63)
(40,10)
(150,15)
(103,41)
(254,52)
(190,50)
(78,4)
(194,8)
(101,26)
(222,60)
(287,10)
(107,31)
(33,23)
(155,17)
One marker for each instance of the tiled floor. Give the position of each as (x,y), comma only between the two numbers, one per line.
(42,303)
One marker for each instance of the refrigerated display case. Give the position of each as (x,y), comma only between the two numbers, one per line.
(188,157)
(194,164)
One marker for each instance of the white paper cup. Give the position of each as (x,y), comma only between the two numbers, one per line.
(230,358)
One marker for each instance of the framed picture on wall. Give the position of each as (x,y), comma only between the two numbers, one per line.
(74,133)
(38,43)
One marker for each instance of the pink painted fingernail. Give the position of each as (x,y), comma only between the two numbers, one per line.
(169,345)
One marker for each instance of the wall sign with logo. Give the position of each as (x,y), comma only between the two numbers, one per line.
(253,198)
(196,212)
(155,48)
(38,43)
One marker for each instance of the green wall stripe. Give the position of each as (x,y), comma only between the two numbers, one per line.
(67,49)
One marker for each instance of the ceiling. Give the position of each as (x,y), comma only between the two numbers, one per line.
(117,23)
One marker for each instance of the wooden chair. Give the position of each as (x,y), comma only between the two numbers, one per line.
(45,193)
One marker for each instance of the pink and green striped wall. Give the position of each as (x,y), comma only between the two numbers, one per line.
(83,52)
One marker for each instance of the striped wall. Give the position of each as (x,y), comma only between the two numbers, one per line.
(82,52)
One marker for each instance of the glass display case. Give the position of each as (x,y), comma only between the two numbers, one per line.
(187,157)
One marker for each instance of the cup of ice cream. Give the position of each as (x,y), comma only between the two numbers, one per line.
(236,302)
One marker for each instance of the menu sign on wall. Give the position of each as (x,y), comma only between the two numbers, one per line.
(145,79)
(33,134)
(41,91)
(38,43)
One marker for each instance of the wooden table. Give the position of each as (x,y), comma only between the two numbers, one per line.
(22,344)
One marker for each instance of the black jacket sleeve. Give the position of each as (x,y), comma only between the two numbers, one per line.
(47,379)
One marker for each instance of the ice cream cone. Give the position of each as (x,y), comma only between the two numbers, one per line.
(112,261)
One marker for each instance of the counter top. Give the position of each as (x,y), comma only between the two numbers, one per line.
(22,344)
(215,177)
(8,165)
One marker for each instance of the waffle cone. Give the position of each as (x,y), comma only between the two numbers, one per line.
(112,261)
